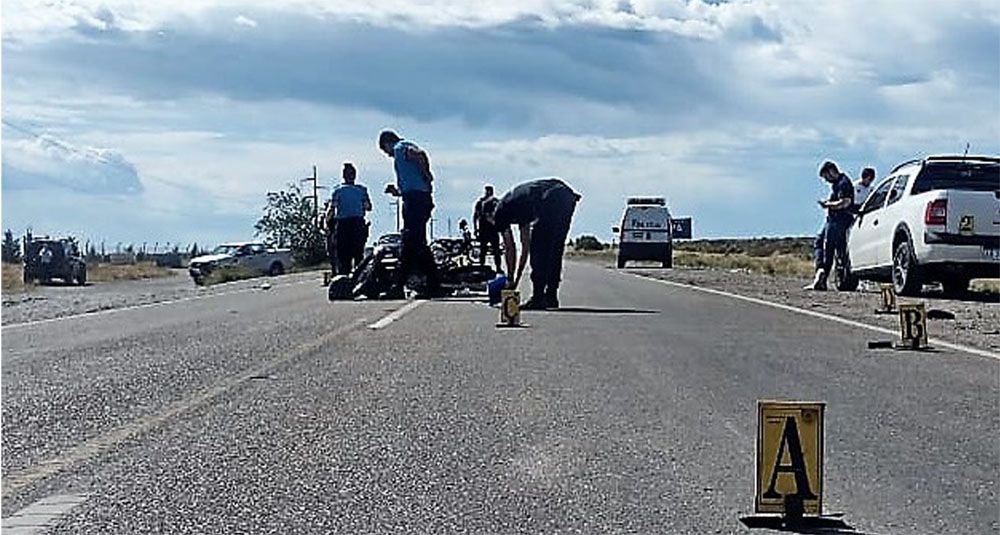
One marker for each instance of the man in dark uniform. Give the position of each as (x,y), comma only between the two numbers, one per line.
(486,233)
(832,240)
(542,210)
(348,205)
(413,184)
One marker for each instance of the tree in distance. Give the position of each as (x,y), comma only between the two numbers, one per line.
(289,221)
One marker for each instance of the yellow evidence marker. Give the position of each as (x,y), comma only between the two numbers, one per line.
(912,326)
(789,458)
(888,292)
(510,308)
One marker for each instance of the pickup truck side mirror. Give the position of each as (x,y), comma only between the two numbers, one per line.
(615,230)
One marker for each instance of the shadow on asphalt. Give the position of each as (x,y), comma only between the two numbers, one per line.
(594,310)
(826,525)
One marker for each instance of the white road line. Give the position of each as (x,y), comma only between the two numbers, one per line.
(14,483)
(395,315)
(41,515)
(935,342)
(148,305)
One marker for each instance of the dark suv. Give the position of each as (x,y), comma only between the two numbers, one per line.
(53,258)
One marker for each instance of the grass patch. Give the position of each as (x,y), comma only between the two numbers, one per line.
(990,286)
(128,272)
(13,280)
(787,265)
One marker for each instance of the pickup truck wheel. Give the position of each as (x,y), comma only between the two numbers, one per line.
(276,269)
(621,262)
(81,277)
(906,277)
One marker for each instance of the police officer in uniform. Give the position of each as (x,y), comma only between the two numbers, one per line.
(348,204)
(543,210)
(413,185)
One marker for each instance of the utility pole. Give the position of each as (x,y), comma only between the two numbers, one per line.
(449,227)
(315,195)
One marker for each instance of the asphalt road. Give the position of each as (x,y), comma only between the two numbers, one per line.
(631,412)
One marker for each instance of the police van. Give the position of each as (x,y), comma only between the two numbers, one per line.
(647,231)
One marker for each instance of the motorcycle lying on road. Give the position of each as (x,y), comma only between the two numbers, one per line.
(379,275)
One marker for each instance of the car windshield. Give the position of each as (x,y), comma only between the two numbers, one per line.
(971,176)
(225,249)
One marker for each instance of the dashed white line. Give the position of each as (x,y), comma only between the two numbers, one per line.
(935,342)
(395,315)
(41,515)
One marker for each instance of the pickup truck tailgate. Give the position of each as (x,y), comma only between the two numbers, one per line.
(973,213)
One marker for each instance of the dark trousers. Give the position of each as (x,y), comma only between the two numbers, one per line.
(416,256)
(489,240)
(351,236)
(548,240)
(830,241)
(331,245)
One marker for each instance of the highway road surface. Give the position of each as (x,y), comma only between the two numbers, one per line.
(632,411)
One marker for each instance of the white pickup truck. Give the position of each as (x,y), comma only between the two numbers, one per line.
(935,219)
(255,257)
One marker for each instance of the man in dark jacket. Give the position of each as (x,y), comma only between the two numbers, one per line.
(486,233)
(542,210)
(832,240)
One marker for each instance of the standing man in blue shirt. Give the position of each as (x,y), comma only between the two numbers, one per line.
(832,240)
(413,184)
(348,205)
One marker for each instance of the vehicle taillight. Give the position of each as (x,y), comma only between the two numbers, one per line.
(937,212)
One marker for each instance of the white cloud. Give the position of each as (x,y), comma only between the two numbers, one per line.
(42,161)
(245,21)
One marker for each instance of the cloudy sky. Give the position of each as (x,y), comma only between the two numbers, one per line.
(169,121)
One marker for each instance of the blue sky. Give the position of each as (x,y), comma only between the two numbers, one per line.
(169,122)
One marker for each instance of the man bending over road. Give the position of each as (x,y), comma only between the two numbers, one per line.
(543,210)
(832,240)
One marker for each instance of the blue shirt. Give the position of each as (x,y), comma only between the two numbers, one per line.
(349,200)
(841,189)
(409,175)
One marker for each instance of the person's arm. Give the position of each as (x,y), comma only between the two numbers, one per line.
(509,252)
(475,217)
(840,204)
(419,156)
(367,202)
(525,247)
(326,223)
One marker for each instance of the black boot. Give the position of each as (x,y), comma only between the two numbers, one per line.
(535,303)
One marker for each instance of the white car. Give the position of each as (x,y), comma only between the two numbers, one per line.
(935,219)
(645,232)
(255,257)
